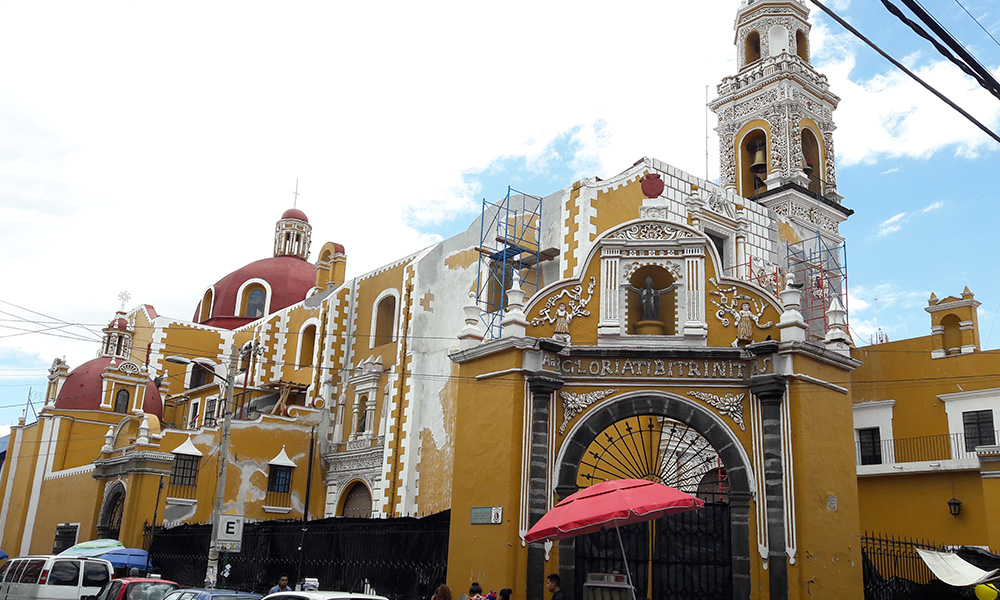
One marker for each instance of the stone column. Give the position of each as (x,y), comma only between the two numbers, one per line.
(771,391)
(567,553)
(542,388)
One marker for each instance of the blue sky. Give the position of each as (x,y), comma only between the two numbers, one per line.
(397,121)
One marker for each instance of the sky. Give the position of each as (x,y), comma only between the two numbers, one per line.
(149,147)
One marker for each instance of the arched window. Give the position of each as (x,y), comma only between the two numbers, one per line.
(385,321)
(777,40)
(811,164)
(121,401)
(802,45)
(362,413)
(199,376)
(255,301)
(751,48)
(357,502)
(307,346)
(206,305)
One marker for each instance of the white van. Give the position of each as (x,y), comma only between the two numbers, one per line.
(52,577)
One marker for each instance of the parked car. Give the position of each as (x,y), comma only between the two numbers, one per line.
(135,588)
(321,595)
(52,577)
(209,594)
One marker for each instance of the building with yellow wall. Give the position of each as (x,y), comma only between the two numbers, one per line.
(652,325)
(925,431)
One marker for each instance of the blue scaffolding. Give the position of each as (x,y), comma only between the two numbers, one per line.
(509,240)
(822,268)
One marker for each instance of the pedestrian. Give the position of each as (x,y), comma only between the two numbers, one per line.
(282,584)
(554,587)
(505,593)
(442,593)
(133,572)
(476,591)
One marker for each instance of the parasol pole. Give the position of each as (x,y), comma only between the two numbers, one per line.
(625,560)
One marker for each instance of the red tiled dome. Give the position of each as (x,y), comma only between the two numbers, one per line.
(82,389)
(118,323)
(294,213)
(289,277)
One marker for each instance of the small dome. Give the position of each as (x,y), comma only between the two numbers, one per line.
(83,389)
(294,213)
(118,323)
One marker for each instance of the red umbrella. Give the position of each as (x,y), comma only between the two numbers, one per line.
(610,504)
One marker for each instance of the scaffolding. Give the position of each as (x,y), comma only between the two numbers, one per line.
(509,240)
(822,269)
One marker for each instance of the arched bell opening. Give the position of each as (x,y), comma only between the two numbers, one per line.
(811,164)
(802,45)
(751,48)
(669,439)
(952,334)
(652,301)
(753,163)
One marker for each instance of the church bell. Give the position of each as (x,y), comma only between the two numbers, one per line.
(759,164)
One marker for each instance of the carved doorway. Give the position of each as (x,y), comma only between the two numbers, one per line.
(687,555)
(358,502)
(109,525)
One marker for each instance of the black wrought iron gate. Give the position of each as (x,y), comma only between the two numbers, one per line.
(679,557)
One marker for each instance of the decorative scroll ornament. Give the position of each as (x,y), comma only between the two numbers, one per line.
(574,306)
(573,404)
(744,309)
(651,231)
(729,405)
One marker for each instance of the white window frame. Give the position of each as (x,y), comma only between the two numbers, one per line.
(374,315)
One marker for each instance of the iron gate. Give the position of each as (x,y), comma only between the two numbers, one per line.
(679,557)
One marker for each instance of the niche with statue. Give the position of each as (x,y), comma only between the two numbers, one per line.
(652,301)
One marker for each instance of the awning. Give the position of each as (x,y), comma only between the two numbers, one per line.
(953,569)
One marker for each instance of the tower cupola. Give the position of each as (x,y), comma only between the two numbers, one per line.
(292,234)
(117,337)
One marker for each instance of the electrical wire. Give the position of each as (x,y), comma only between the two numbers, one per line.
(978,23)
(902,68)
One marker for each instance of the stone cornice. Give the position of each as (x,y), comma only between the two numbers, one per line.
(493,347)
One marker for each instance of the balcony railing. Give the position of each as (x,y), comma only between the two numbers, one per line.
(278,499)
(175,490)
(927,448)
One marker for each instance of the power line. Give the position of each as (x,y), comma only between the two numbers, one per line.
(902,68)
(978,23)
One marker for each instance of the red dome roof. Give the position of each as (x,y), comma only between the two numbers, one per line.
(118,323)
(82,389)
(294,213)
(289,277)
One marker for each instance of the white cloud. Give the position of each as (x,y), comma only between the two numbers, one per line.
(888,171)
(891,225)
(933,206)
(891,115)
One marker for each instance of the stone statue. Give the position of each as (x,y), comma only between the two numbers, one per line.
(649,297)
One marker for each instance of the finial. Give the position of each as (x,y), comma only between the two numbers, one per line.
(932,300)
(295,194)
(124,296)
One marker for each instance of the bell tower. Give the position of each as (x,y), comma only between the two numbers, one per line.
(776,145)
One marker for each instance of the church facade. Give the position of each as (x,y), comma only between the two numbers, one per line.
(650,325)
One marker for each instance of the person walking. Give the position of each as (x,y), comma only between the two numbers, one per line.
(282,584)
(554,586)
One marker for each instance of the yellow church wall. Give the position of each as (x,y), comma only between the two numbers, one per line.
(80,437)
(615,206)
(490,441)
(65,500)
(24,468)
(825,486)
(570,227)
(898,504)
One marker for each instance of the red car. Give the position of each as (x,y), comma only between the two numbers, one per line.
(136,588)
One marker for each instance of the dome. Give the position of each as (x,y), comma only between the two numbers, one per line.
(119,323)
(289,278)
(294,213)
(83,389)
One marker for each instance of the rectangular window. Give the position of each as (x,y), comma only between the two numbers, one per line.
(194,415)
(870,446)
(95,574)
(185,470)
(978,429)
(65,536)
(65,572)
(31,571)
(279,479)
(210,412)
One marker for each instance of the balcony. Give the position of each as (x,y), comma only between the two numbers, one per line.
(918,454)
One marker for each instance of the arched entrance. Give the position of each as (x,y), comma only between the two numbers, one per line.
(357,502)
(665,438)
(109,524)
